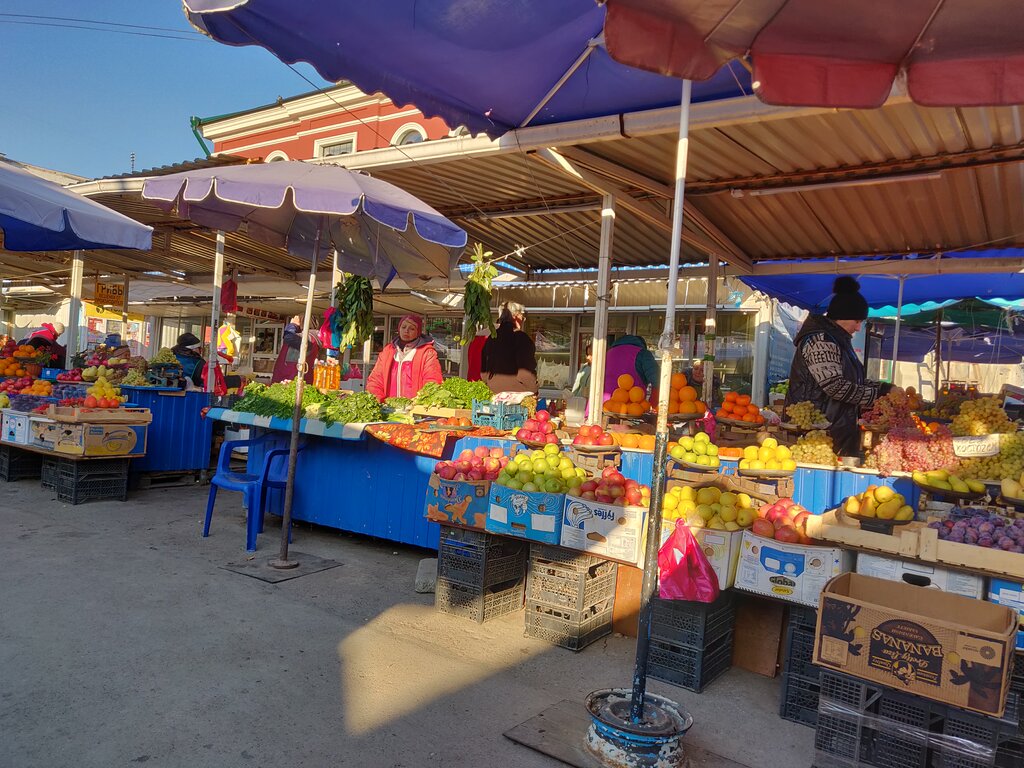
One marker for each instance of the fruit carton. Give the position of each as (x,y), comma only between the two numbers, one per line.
(921,575)
(98,439)
(42,433)
(932,644)
(457,502)
(1010,594)
(15,426)
(796,573)
(527,514)
(612,531)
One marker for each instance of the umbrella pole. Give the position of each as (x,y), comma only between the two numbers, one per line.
(643,643)
(896,333)
(218,283)
(300,381)
(938,355)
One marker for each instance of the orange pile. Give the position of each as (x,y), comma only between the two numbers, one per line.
(730,453)
(630,440)
(628,399)
(739,408)
(39,387)
(11,367)
(25,352)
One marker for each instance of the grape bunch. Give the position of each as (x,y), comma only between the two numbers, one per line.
(815,447)
(805,415)
(984,416)
(1009,462)
(907,449)
(890,411)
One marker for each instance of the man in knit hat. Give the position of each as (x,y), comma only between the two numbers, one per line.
(826,370)
(46,338)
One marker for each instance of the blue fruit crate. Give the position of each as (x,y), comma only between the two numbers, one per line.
(50,374)
(499,415)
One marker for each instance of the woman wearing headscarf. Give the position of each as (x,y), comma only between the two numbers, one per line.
(186,351)
(509,359)
(406,363)
(46,339)
(828,372)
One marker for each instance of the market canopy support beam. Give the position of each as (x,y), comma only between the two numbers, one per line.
(925,265)
(599,344)
(75,308)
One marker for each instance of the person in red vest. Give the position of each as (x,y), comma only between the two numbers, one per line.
(405,364)
(46,338)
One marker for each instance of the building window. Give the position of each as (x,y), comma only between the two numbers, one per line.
(276,156)
(409,134)
(337,148)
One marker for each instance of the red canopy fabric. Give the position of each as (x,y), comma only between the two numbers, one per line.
(833,53)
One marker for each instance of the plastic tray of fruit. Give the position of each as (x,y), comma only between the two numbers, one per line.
(26,403)
(747,472)
(947,485)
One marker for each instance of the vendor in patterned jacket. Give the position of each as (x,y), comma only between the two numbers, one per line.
(828,372)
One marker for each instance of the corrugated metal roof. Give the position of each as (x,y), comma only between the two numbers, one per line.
(213,161)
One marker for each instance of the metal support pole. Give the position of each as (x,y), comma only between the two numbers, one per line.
(300,381)
(599,347)
(710,331)
(75,307)
(218,282)
(938,354)
(896,333)
(124,310)
(643,641)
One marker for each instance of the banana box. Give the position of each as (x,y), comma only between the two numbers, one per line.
(457,502)
(99,439)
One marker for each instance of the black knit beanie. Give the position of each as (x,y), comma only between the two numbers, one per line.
(847,303)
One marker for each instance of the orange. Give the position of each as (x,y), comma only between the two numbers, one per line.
(630,441)
(637,395)
(612,406)
(646,404)
(620,396)
(743,399)
(722,413)
(730,397)
(687,407)
(634,409)
(701,407)
(678,380)
(687,394)
(646,442)
(625,381)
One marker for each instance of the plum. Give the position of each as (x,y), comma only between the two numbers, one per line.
(986,528)
(1006,543)
(971,537)
(985,541)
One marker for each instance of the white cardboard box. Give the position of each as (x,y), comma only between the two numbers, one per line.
(606,530)
(793,572)
(1011,594)
(722,549)
(921,575)
(15,428)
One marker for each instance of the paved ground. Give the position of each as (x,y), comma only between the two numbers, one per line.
(123,642)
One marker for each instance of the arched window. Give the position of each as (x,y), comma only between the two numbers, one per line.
(276,156)
(409,134)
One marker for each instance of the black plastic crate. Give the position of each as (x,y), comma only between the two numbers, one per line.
(566,558)
(1011,754)
(803,616)
(798,701)
(574,630)
(477,603)
(478,559)
(579,592)
(969,728)
(18,465)
(693,625)
(799,653)
(1017,681)
(92,489)
(690,668)
(111,469)
(48,473)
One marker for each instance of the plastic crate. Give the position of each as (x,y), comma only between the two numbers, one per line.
(547,585)
(48,473)
(476,603)
(800,652)
(1017,681)
(798,700)
(803,616)
(569,559)
(93,489)
(1011,754)
(477,559)
(693,625)
(574,630)
(18,465)
(110,469)
(499,415)
(690,668)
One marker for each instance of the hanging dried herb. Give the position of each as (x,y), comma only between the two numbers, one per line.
(355,304)
(477,297)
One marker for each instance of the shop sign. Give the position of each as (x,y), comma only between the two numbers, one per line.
(978,445)
(111,294)
(259,314)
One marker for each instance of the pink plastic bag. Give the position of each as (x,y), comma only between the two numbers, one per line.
(684,572)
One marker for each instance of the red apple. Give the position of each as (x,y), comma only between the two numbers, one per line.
(466,455)
(762,527)
(530,425)
(482,452)
(785,503)
(603,497)
(589,496)
(463,466)
(497,453)
(542,416)
(800,521)
(459,478)
(588,485)
(476,474)
(633,496)
(787,534)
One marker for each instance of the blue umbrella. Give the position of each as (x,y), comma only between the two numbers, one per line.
(38,215)
(377,229)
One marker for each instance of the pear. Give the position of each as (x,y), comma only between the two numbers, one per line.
(716,524)
(743,501)
(728,514)
(693,520)
(745,517)
(887,509)
(868,507)
(731,526)
(883,493)
(904,513)
(976,486)
(1010,488)
(852,505)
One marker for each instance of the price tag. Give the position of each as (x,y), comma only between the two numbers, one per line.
(980,445)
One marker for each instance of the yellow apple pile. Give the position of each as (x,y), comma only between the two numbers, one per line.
(879,501)
(709,507)
(768,455)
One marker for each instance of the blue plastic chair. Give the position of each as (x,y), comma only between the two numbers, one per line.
(253,487)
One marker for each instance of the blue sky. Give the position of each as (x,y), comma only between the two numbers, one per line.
(81,101)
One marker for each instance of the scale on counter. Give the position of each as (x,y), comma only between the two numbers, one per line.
(166,375)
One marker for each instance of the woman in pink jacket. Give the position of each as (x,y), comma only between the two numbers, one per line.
(405,364)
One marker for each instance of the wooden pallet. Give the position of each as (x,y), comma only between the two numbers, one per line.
(179,479)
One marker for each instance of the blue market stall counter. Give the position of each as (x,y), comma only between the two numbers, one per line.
(179,438)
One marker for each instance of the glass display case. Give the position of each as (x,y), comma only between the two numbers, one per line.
(552,335)
(266,343)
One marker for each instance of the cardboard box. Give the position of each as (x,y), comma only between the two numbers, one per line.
(607,530)
(1010,594)
(526,514)
(458,503)
(42,433)
(722,549)
(100,439)
(15,428)
(932,644)
(921,575)
(793,572)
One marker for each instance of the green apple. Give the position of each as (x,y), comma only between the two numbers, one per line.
(551,449)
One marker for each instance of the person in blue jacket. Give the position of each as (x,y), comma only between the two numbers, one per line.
(186,351)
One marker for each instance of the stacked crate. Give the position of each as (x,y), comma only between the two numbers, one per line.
(570,597)
(479,576)
(865,724)
(90,480)
(1011,752)
(800,678)
(17,465)
(691,643)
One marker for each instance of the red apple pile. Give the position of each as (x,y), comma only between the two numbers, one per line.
(593,435)
(784,521)
(612,488)
(15,385)
(479,464)
(75,374)
(9,349)
(539,429)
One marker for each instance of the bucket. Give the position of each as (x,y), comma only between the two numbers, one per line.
(615,740)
